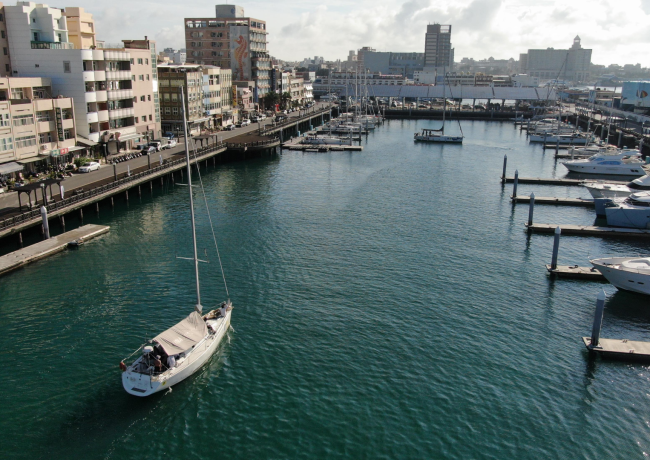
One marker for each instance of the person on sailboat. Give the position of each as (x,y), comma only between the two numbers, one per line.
(171,362)
(224,309)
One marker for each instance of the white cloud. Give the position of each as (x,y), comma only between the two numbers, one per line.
(616,31)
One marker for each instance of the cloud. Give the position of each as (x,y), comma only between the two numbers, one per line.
(617,31)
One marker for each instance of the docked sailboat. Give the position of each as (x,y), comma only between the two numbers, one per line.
(175,354)
(562,139)
(627,273)
(624,163)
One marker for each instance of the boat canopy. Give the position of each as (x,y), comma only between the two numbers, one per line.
(183,336)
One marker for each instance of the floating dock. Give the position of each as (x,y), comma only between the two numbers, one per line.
(50,246)
(322,147)
(556,201)
(552,181)
(589,230)
(620,349)
(575,272)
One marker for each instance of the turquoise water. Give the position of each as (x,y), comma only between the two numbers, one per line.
(388,304)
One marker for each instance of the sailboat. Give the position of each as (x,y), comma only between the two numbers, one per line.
(438,135)
(175,354)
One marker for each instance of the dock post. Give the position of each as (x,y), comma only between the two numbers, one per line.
(505,162)
(531,209)
(181,170)
(556,247)
(545,136)
(598,319)
(139,191)
(514,185)
(162,182)
(620,139)
(62,220)
(557,144)
(128,170)
(81,214)
(148,161)
(161,159)
(20,239)
(62,190)
(46,226)
(114,171)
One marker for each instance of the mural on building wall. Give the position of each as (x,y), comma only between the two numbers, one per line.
(239,52)
(636,93)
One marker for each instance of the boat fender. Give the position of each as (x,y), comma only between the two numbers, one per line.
(122,366)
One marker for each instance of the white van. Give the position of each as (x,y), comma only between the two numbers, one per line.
(245,122)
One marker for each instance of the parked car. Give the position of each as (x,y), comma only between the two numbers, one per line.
(157,144)
(280,118)
(149,149)
(261,117)
(92,166)
(140,147)
(170,143)
(245,122)
(229,127)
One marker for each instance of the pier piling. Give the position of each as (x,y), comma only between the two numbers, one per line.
(126,193)
(81,214)
(62,221)
(62,190)
(531,209)
(97,207)
(112,203)
(148,161)
(46,226)
(598,319)
(114,171)
(139,191)
(505,162)
(20,239)
(620,139)
(515,183)
(556,248)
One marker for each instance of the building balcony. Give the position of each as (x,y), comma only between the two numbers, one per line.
(121,113)
(113,55)
(42,105)
(52,46)
(45,126)
(62,102)
(94,75)
(102,115)
(101,96)
(118,94)
(93,137)
(118,75)
(90,96)
(68,123)
(92,117)
(92,55)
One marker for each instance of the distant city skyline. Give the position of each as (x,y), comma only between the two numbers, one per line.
(616,31)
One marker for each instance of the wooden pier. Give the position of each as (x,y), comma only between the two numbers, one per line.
(322,147)
(589,230)
(554,200)
(22,257)
(620,349)
(575,272)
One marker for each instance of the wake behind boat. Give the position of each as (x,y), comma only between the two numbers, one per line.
(178,352)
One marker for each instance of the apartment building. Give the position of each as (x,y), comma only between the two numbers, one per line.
(33,126)
(207,97)
(81,28)
(106,84)
(569,65)
(231,41)
(297,90)
(5,61)
(438,53)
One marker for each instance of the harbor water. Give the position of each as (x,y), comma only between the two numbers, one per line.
(388,304)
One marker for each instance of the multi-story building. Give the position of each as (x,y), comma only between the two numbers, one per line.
(231,41)
(81,28)
(405,64)
(309,92)
(297,90)
(173,56)
(105,84)
(568,65)
(34,126)
(438,53)
(207,91)
(5,61)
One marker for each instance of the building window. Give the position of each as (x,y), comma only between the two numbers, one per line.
(141,98)
(35,34)
(146,61)
(6,143)
(141,78)
(144,118)
(25,141)
(67,134)
(139,60)
(149,97)
(135,99)
(44,137)
(167,111)
(175,110)
(166,97)
(147,77)
(131,61)
(66,66)
(7,67)
(2,33)
(2,17)
(4,119)
(174,97)
(60,39)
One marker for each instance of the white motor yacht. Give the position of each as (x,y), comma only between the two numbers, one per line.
(627,273)
(625,163)
(602,189)
(630,212)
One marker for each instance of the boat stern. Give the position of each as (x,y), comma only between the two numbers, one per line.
(140,384)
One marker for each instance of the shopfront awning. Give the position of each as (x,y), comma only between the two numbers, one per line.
(200,120)
(33,159)
(130,137)
(12,166)
(86,142)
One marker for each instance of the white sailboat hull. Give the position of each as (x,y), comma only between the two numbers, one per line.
(441,139)
(142,385)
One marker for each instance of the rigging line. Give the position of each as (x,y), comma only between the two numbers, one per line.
(461,101)
(214,237)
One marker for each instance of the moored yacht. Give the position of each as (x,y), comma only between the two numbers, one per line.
(630,212)
(563,139)
(627,273)
(602,189)
(437,135)
(624,163)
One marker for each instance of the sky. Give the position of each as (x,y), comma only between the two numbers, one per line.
(616,30)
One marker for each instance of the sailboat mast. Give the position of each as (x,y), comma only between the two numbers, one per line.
(198,307)
(444,98)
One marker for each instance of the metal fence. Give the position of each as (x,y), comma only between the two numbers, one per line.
(27,216)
